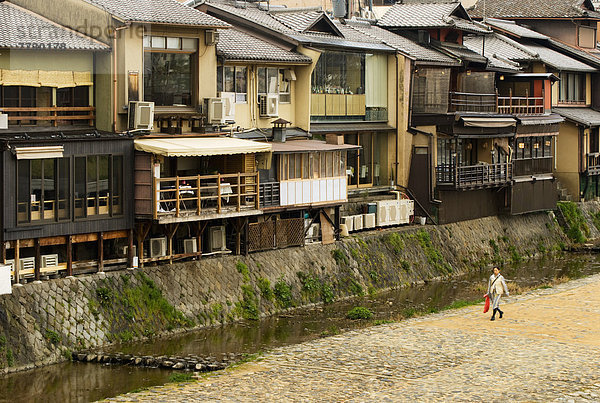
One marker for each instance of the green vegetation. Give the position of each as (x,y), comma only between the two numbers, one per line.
(248,307)
(242,268)
(52,337)
(434,257)
(327,293)
(10,359)
(462,303)
(596,220)
(177,377)
(578,230)
(340,257)
(264,285)
(382,322)
(395,242)
(330,331)
(355,288)
(359,312)
(283,293)
(494,247)
(135,308)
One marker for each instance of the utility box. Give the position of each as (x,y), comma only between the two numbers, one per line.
(3,121)
(5,281)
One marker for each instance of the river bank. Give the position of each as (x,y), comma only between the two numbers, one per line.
(44,323)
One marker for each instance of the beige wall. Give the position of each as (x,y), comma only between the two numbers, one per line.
(304,88)
(47,60)
(405,139)
(567,158)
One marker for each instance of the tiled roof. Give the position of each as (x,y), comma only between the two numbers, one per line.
(462,52)
(407,46)
(237,45)
(533,9)
(22,29)
(299,22)
(428,15)
(558,60)
(515,29)
(350,38)
(157,11)
(586,116)
(591,56)
(501,46)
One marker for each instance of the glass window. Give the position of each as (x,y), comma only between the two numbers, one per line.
(298,166)
(285,87)
(80,182)
(234,80)
(24,197)
(168,78)
(305,167)
(92,185)
(117,185)
(190,44)
(42,189)
(64,170)
(594,143)
(36,190)
(229,79)
(159,42)
(268,80)
(240,84)
(571,88)
(173,43)
(49,189)
(103,184)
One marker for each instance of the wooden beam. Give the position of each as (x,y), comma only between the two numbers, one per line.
(117,234)
(130,249)
(84,238)
(17,268)
(3,253)
(53,240)
(69,255)
(100,252)
(142,232)
(38,259)
(246,236)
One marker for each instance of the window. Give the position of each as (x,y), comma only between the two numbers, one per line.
(42,190)
(587,37)
(365,164)
(285,87)
(98,185)
(233,79)
(349,86)
(429,83)
(594,141)
(533,147)
(168,67)
(571,88)
(312,165)
(268,80)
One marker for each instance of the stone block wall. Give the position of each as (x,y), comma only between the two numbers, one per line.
(42,323)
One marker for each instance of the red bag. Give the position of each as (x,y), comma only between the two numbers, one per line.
(486,306)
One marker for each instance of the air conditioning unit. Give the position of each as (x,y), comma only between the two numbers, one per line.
(314,232)
(216,239)
(158,247)
(49,260)
(358,222)
(229,98)
(369,221)
(268,105)
(27,266)
(141,115)
(349,222)
(388,213)
(190,246)
(217,112)
(3,121)
(11,263)
(406,210)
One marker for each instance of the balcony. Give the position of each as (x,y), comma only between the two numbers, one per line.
(55,115)
(593,164)
(492,103)
(193,198)
(270,194)
(474,176)
(532,166)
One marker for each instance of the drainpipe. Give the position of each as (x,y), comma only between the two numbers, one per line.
(397,162)
(116,29)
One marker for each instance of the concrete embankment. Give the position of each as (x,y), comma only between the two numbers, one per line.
(43,323)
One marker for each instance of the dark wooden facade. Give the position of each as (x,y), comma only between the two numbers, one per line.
(74,145)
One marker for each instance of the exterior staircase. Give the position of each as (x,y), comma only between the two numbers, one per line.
(563,193)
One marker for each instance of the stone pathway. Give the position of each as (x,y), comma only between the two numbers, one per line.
(546,348)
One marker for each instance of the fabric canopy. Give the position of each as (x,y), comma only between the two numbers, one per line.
(488,122)
(200,146)
(34,153)
(43,78)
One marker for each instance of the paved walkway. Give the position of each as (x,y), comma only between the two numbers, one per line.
(546,348)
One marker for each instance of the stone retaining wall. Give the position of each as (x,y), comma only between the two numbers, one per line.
(43,323)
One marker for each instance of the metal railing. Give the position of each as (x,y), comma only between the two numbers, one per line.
(474,176)
(186,196)
(52,114)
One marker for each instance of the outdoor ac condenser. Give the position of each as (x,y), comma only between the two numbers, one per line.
(268,105)
(349,222)
(158,247)
(217,110)
(141,115)
(190,246)
(50,260)
(217,241)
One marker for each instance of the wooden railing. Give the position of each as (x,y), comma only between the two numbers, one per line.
(532,166)
(474,176)
(53,114)
(492,103)
(593,164)
(270,194)
(186,196)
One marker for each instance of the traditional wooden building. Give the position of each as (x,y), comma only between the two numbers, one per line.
(64,182)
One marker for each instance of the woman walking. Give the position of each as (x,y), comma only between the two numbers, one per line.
(496,287)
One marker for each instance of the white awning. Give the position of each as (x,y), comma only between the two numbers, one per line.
(200,146)
(34,153)
(488,122)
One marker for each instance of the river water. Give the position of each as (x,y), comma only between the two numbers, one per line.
(81,382)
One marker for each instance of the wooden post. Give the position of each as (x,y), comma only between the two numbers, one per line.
(219,193)
(257,197)
(199,196)
(101,252)
(199,232)
(238,236)
(177,201)
(69,255)
(155,197)
(510,109)
(497,110)
(3,252)
(38,258)
(239,191)
(130,249)
(246,250)
(17,266)
(142,232)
